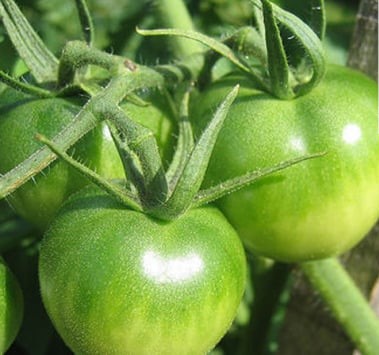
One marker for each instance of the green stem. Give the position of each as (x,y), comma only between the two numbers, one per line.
(85,21)
(174,14)
(77,54)
(346,302)
(86,120)
(270,280)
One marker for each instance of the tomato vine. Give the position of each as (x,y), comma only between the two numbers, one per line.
(132,233)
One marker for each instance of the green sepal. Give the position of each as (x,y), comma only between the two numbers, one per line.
(184,144)
(312,12)
(211,43)
(129,160)
(42,63)
(317,17)
(231,185)
(24,87)
(312,46)
(196,165)
(142,150)
(278,68)
(120,193)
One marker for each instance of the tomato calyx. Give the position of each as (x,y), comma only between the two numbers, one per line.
(162,194)
(278,67)
(166,194)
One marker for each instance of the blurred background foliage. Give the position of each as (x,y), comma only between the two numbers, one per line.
(115,22)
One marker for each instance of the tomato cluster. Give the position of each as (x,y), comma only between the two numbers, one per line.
(114,279)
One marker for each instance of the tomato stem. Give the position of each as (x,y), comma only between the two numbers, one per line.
(86,120)
(77,54)
(174,14)
(272,282)
(85,21)
(346,302)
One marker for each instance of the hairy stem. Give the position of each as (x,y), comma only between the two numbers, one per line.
(346,302)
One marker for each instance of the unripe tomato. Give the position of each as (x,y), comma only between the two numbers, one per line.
(115,281)
(22,117)
(316,209)
(11,307)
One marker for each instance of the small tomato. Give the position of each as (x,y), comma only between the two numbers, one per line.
(316,209)
(115,281)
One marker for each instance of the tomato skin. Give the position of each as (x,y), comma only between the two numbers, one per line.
(22,117)
(11,307)
(115,281)
(320,207)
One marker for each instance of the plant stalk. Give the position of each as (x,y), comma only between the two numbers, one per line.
(174,14)
(346,302)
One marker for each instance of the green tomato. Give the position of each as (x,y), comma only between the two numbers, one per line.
(11,307)
(22,117)
(115,281)
(318,208)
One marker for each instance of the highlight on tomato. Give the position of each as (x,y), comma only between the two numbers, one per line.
(116,280)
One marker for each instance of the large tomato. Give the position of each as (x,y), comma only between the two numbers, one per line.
(11,307)
(115,281)
(315,209)
(21,117)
